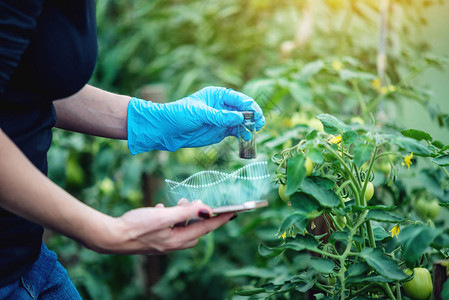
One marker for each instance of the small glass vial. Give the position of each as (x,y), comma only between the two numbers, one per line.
(247,136)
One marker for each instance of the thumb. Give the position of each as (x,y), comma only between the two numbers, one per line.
(222,118)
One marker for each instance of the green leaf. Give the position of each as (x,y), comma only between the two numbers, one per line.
(416,239)
(316,155)
(311,69)
(304,281)
(300,220)
(300,243)
(270,287)
(367,279)
(362,152)
(357,269)
(266,251)
(349,137)
(250,292)
(411,145)
(250,272)
(441,241)
(442,160)
(323,265)
(311,136)
(417,134)
(383,264)
(383,216)
(302,202)
(296,171)
(438,144)
(380,233)
(320,189)
(332,125)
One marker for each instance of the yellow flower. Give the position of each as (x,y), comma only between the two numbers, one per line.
(408,160)
(383,90)
(391,88)
(376,83)
(335,139)
(283,236)
(337,65)
(395,231)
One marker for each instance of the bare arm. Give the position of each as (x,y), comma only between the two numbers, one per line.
(25,191)
(94,111)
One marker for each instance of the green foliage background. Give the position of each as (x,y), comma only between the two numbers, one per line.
(283,54)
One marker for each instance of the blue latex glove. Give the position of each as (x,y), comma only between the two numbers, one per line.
(203,118)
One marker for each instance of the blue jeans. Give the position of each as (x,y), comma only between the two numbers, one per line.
(47,280)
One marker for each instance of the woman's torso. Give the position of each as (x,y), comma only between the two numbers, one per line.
(57,63)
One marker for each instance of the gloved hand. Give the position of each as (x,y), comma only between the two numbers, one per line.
(203,118)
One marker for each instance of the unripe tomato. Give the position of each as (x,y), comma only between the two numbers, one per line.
(427,209)
(420,287)
(341,221)
(282,189)
(309,166)
(369,192)
(384,167)
(433,209)
(332,280)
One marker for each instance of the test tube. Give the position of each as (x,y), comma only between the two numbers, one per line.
(247,136)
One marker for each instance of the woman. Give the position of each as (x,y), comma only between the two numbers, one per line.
(48,51)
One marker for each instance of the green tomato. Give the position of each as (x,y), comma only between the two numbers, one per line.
(282,189)
(420,287)
(341,221)
(433,209)
(427,209)
(369,192)
(384,167)
(309,166)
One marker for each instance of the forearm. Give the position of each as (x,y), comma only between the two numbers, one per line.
(25,191)
(94,111)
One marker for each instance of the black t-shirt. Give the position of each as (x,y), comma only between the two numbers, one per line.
(48,50)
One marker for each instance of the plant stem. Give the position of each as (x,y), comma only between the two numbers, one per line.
(347,252)
(355,188)
(388,291)
(398,291)
(362,291)
(323,288)
(369,229)
(445,171)
(324,253)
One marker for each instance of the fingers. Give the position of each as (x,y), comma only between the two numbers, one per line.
(242,102)
(179,214)
(159,205)
(198,229)
(221,118)
(183,202)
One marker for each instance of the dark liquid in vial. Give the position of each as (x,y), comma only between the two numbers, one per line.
(247,153)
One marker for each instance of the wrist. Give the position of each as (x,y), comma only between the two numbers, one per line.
(142,126)
(108,236)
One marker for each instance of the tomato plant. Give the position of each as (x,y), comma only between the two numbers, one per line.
(357,247)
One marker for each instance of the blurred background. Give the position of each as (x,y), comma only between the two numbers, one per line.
(297,59)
